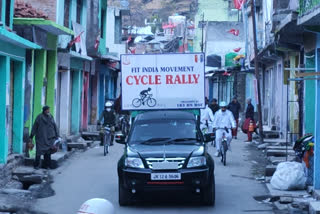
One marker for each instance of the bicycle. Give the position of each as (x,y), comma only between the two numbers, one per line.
(151,102)
(124,124)
(224,147)
(107,138)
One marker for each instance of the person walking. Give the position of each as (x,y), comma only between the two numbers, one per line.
(249,124)
(235,107)
(214,106)
(46,132)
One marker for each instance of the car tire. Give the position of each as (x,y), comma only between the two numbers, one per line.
(209,195)
(124,196)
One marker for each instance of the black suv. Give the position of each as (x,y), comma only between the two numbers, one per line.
(165,151)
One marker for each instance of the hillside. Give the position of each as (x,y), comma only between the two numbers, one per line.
(145,9)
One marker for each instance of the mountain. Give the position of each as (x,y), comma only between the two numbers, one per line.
(151,9)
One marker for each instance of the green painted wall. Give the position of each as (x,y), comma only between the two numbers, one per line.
(18,109)
(51,77)
(28,123)
(309,101)
(75,101)
(40,73)
(4,80)
(213,10)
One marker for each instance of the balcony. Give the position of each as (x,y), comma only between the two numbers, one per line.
(309,12)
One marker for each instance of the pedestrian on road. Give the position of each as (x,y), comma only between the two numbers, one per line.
(235,107)
(46,132)
(249,124)
(214,106)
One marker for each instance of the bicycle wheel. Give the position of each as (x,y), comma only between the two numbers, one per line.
(151,102)
(225,148)
(105,145)
(136,102)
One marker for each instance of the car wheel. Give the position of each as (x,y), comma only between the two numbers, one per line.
(124,196)
(209,195)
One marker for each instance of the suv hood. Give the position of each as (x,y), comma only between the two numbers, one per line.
(168,150)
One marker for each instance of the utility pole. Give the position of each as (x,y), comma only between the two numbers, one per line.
(202,26)
(256,68)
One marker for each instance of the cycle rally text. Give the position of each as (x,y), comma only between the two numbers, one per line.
(157,79)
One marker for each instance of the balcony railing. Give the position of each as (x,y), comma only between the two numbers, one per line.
(307,5)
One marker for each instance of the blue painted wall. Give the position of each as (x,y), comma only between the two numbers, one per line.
(317,122)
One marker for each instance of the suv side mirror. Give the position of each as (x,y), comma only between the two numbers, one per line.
(209,137)
(120,138)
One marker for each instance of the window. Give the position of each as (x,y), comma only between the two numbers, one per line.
(79,10)
(117,30)
(66,13)
(8,12)
(102,22)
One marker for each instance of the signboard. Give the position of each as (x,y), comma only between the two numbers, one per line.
(163,81)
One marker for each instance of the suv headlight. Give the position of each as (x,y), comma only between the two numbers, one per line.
(197,161)
(134,163)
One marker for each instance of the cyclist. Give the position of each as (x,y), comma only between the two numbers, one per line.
(206,118)
(109,119)
(144,94)
(223,123)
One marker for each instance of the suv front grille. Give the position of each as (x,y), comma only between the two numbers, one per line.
(179,161)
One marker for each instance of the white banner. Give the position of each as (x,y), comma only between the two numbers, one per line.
(163,81)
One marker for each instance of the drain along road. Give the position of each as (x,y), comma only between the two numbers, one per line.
(91,175)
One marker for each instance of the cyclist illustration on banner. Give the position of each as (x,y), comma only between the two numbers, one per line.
(145,98)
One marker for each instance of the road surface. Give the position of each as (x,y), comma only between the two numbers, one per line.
(91,175)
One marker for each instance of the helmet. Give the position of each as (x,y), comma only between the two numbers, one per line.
(223,104)
(108,104)
(96,206)
(149,89)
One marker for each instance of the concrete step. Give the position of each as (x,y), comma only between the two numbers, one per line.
(270,169)
(279,147)
(56,159)
(280,193)
(276,160)
(314,207)
(279,153)
(90,135)
(77,145)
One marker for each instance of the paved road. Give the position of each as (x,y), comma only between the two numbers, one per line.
(89,175)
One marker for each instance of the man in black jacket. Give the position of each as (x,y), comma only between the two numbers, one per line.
(214,106)
(249,119)
(109,119)
(234,106)
(46,132)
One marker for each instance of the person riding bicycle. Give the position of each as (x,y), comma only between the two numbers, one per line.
(109,119)
(144,94)
(206,118)
(223,123)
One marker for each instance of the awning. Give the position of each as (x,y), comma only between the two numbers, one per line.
(46,25)
(74,54)
(17,40)
(110,57)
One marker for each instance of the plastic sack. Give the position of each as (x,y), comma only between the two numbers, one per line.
(289,176)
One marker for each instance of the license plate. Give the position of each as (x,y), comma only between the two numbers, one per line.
(165,176)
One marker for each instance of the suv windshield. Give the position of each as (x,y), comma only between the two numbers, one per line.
(152,132)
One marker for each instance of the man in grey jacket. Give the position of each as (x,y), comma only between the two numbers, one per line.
(46,132)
